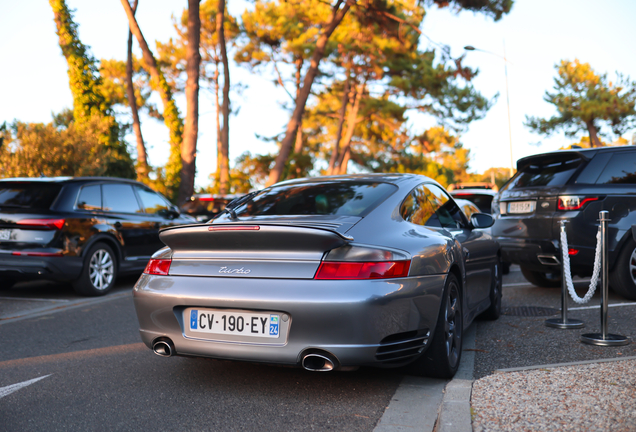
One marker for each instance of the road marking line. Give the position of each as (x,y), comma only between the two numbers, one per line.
(598,306)
(5,391)
(33,299)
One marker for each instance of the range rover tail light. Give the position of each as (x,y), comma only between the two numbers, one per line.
(573,202)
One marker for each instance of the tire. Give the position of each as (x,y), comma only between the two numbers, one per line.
(623,278)
(505,268)
(99,271)
(542,279)
(441,359)
(496,291)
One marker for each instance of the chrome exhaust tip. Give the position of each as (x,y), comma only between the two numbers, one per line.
(163,348)
(548,259)
(318,363)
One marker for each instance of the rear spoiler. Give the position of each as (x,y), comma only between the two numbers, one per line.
(245,238)
(552,156)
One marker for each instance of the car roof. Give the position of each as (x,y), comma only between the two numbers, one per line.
(584,153)
(68,179)
(461,192)
(398,179)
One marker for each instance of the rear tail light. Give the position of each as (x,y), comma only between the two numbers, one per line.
(572,251)
(40,254)
(159,267)
(41,223)
(363,270)
(356,262)
(573,202)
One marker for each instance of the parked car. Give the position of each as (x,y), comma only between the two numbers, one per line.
(85,230)
(325,273)
(204,207)
(572,185)
(481,197)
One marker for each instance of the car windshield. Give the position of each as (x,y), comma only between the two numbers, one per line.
(31,195)
(320,198)
(544,173)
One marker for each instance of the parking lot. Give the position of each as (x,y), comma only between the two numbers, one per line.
(96,375)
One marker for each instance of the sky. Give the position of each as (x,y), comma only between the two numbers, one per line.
(536,35)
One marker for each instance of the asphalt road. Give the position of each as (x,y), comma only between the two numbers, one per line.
(99,376)
(95,374)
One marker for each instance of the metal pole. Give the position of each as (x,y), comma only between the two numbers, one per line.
(563,322)
(604,338)
(508,106)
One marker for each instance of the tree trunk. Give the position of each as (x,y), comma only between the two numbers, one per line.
(219,141)
(346,155)
(337,15)
(594,140)
(191,128)
(171,115)
(298,147)
(224,156)
(142,158)
(352,121)
(335,154)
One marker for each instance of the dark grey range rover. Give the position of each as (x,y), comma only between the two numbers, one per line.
(86,231)
(574,185)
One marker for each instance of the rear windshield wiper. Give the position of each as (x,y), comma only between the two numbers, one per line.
(229,208)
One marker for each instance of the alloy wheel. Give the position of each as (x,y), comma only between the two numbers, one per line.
(632,266)
(101,269)
(453,325)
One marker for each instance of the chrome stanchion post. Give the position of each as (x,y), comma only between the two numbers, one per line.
(563,322)
(604,338)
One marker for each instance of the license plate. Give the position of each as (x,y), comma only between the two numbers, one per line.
(212,321)
(5,234)
(521,207)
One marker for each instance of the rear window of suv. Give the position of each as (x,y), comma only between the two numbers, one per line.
(544,173)
(323,198)
(31,195)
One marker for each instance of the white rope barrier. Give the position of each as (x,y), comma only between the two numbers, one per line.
(565,259)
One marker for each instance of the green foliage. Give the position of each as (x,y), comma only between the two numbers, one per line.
(90,106)
(35,149)
(587,101)
(492,8)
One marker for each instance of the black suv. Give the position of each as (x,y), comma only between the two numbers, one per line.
(82,230)
(574,185)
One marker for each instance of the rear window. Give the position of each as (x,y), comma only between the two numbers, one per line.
(544,173)
(31,195)
(483,202)
(324,198)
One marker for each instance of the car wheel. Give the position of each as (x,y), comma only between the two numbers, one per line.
(505,268)
(441,359)
(623,278)
(494,311)
(542,279)
(99,271)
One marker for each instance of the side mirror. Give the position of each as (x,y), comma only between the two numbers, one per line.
(481,220)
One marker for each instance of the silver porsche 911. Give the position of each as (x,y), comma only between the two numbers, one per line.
(325,273)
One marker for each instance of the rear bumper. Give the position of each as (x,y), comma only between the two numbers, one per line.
(39,267)
(533,254)
(348,319)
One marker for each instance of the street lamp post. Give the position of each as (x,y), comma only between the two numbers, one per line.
(472,48)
